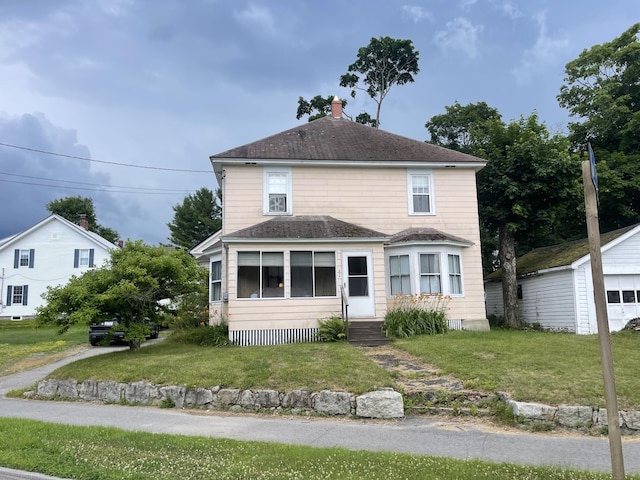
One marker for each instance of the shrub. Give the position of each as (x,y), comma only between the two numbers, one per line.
(416,315)
(204,336)
(332,329)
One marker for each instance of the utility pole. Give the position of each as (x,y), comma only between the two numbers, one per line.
(590,183)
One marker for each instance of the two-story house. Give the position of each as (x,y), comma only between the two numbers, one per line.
(333,211)
(47,254)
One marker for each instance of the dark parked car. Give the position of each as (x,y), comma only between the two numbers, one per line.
(99,331)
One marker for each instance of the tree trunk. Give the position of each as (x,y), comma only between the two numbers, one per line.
(509,280)
(134,345)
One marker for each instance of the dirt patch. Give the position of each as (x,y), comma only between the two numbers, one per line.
(39,359)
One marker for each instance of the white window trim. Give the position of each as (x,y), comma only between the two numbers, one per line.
(432,196)
(414,253)
(212,260)
(265,190)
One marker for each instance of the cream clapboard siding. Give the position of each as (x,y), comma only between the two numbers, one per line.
(276,313)
(375,198)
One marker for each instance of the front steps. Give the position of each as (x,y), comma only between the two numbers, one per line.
(366,334)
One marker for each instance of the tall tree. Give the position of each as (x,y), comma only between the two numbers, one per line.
(72,208)
(602,90)
(383,63)
(524,189)
(196,218)
(128,289)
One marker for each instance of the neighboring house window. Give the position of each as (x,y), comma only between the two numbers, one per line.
(613,296)
(260,274)
(430,273)
(83,257)
(23,258)
(17,294)
(628,296)
(313,274)
(455,275)
(519,292)
(420,190)
(399,275)
(216,281)
(277,191)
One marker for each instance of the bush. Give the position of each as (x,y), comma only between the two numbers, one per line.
(204,336)
(416,315)
(332,329)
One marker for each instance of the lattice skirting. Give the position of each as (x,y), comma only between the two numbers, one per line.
(455,323)
(273,337)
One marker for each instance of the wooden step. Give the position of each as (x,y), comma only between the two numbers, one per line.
(367,333)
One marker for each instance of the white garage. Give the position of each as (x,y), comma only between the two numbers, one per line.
(555,285)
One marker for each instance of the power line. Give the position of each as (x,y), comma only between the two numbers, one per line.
(158,190)
(103,161)
(90,189)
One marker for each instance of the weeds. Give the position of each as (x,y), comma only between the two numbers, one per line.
(411,315)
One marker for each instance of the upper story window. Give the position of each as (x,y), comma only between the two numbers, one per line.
(83,257)
(277,191)
(23,258)
(420,192)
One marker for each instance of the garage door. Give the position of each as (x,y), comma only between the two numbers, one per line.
(623,299)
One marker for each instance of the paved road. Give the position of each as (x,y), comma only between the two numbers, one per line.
(411,435)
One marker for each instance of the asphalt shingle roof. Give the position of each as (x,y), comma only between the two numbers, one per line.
(426,235)
(560,255)
(304,227)
(331,138)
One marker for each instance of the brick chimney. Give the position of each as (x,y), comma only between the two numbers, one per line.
(84,221)
(336,108)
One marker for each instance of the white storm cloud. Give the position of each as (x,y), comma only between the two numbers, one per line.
(416,13)
(257,17)
(459,35)
(546,52)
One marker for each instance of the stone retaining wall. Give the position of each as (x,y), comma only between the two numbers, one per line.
(385,403)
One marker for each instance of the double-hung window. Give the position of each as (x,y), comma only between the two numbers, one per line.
(400,275)
(216,281)
(83,257)
(260,274)
(23,258)
(430,273)
(455,275)
(313,274)
(277,191)
(17,294)
(420,191)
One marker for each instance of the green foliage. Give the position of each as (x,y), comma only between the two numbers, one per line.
(332,329)
(198,217)
(129,289)
(318,104)
(203,336)
(383,63)
(413,315)
(71,208)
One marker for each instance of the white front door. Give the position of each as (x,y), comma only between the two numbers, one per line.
(357,280)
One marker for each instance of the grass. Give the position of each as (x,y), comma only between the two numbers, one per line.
(550,368)
(23,346)
(313,366)
(99,453)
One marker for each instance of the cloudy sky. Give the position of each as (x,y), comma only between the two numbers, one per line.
(163,84)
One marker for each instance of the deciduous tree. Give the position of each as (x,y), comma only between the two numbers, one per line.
(72,208)
(129,289)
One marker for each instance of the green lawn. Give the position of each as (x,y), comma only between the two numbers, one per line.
(551,368)
(94,453)
(24,346)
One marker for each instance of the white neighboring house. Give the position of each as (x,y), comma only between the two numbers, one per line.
(555,284)
(47,254)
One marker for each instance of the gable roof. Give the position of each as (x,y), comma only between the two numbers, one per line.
(561,255)
(94,237)
(341,140)
(427,235)
(309,227)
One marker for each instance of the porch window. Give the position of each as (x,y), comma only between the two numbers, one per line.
(399,276)
(420,190)
(216,281)
(455,275)
(430,273)
(260,274)
(277,191)
(313,274)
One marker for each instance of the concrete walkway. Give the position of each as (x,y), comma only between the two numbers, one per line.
(417,435)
